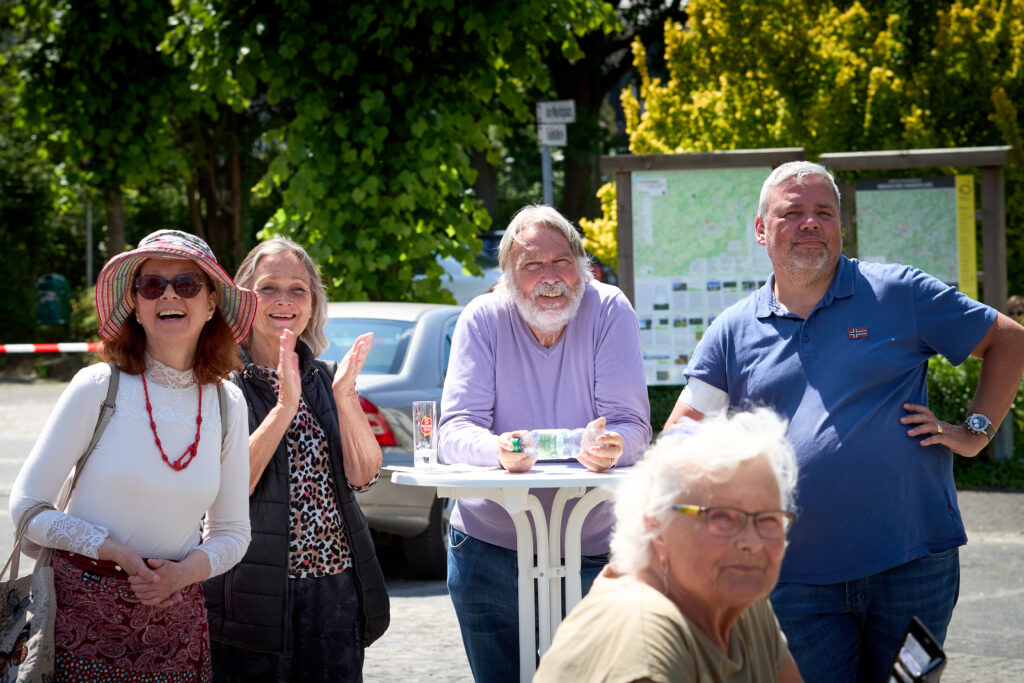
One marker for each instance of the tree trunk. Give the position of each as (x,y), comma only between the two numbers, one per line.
(237,244)
(486,185)
(195,211)
(115,219)
(579,192)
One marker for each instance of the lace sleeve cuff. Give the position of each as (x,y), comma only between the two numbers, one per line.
(223,553)
(72,534)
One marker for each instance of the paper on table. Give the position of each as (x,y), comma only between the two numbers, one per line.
(559,468)
(457,467)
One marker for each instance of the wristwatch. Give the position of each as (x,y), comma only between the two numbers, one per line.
(980,424)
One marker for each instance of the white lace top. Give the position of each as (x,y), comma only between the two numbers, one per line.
(126,490)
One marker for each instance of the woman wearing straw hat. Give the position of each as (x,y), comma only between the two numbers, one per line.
(129,547)
(309,595)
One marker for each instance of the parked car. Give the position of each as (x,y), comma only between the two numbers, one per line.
(603,272)
(408,361)
(463,286)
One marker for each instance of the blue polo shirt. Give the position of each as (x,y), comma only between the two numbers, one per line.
(869,497)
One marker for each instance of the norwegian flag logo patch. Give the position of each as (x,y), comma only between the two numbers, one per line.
(857,332)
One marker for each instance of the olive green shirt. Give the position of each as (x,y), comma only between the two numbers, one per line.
(625,630)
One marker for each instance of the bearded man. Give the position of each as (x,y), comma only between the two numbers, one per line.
(549,348)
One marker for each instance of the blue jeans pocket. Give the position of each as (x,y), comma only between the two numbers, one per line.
(456,538)
(945,553)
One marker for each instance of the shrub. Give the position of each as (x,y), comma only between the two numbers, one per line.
(950,390)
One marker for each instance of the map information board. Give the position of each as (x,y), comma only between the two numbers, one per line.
(927,223)
(694,254)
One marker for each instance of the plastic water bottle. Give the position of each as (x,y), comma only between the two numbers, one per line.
(554,444)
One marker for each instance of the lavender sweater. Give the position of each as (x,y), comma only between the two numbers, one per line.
(501,379)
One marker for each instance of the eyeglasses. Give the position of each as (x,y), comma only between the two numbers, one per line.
(186,285)
(726,522)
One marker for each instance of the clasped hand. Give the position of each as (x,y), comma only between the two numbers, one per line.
(158,585)
(598,455)
(155,582)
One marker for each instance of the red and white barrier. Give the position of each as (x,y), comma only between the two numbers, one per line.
(59,347)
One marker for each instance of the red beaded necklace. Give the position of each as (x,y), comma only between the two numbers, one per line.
(190,452)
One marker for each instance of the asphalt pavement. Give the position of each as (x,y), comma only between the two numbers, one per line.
(985,643)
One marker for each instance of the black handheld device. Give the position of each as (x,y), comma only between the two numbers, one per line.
(920,659)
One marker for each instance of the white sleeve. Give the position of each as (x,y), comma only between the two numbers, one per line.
(704,397)
(64,438)
(226,533)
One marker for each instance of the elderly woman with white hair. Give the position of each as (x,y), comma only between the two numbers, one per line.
(700,532)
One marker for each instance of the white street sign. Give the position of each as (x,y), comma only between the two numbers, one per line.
(556,111)
(552,135)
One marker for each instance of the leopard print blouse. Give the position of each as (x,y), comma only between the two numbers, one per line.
(317,542)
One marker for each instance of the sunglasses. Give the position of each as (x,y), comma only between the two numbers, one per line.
(186,285)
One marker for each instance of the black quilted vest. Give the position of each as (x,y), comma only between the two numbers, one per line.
(246,605)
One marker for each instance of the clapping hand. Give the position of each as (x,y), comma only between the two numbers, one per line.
(351,365)
(288,373)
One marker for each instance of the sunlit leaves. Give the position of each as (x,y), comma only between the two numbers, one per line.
(781,73)
(369,112)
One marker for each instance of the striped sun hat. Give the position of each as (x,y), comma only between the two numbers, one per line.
(113,288)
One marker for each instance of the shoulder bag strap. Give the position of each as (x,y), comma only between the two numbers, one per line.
(106,410)
(13,560)
(222,399)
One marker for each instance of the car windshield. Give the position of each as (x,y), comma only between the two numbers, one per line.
(390,342)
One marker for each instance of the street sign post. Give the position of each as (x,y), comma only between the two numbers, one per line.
(551,132)
(556,111)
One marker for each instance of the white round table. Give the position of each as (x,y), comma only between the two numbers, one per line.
(512,492)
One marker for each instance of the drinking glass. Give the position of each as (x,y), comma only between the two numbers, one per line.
(424,433)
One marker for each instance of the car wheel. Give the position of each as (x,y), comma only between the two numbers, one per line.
(426,555)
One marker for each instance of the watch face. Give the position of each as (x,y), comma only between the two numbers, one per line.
(978,422)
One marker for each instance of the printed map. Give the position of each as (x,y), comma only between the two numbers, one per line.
(694,254)
(911,221)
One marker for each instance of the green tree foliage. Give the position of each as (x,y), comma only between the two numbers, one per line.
(95,87)
(354,122)
(834,77)
(34,239)
(589,81)
(599,233)
(950,390)
(375,165)
(375,113)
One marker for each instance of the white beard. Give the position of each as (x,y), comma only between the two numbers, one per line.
(547,321)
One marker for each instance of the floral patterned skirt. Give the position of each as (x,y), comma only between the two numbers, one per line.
(104,633)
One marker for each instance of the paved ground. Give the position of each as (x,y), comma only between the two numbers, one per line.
(985,641)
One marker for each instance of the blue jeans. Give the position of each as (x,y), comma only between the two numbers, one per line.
(850,632)
(483,584)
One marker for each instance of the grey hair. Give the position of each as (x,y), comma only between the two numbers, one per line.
(313,336)
(679,462)
(793,169)
(541,214)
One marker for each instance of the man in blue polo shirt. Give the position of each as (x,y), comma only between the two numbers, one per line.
(841,349)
